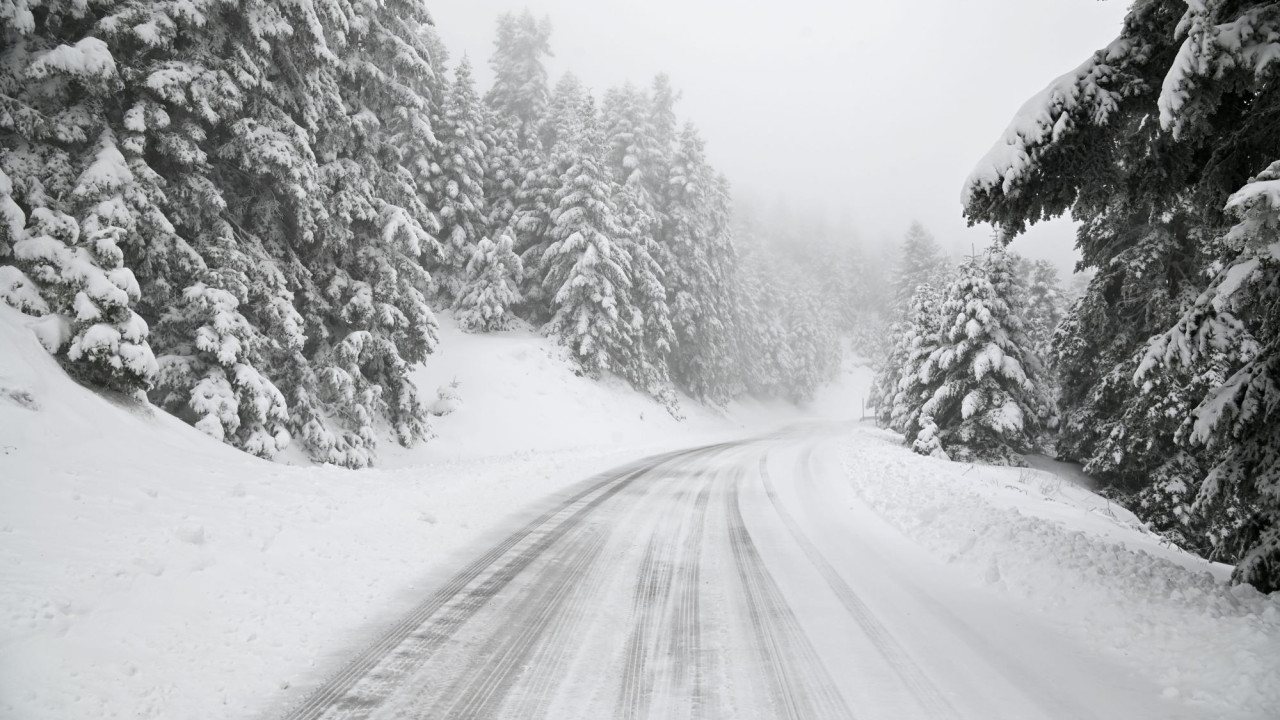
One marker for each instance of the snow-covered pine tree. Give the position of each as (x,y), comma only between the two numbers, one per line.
(628,155)
(492,286)
(655,163)
(723,373)
(921,262)
(17,290)
(1044,304)
(108,342)
(983,397)
(646,366)
(1238,419)
(896,390)
(458,184)
(584,270)
(294,152)
(90,323)
(628,137)
(813,338)
(504,171)
(531,223)
(177,108)
(213,381)
(60,159)
(564,115)
(520,87)
(697,236)
(1140,449)
(367,265)
(763,351)
(785,346)
(276,178)
(536,200)
(662,125)
(1097,347)
(163,117)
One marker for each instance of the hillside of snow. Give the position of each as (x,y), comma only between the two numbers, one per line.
(147,571)
(518,392)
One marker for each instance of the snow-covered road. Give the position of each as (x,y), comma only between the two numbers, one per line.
(738,580)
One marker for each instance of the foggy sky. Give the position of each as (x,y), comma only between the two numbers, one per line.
(870,111)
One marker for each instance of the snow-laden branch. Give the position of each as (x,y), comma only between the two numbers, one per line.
(1250,43)
(1088,94)
(1211,325)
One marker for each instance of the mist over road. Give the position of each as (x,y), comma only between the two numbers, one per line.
(740,580)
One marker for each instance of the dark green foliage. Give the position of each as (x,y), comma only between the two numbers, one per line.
(1145,145)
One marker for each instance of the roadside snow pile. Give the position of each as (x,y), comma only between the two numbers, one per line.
(1091,565)
(148,571)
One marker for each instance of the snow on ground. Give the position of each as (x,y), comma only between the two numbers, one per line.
(147,571)
(1071,555)
(517,392)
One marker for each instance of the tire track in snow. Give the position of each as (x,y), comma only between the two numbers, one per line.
(483,687)
(552,663)
(510,662)
(361,686)
(653,585)
(665,602)
(423,642)
(919,686)
(532,695)
(685,645)
(800,686)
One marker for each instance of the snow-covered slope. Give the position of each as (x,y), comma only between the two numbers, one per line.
(518,392)
(147,571)
(1092,566)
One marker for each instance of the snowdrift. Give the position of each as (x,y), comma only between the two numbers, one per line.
(1071,555)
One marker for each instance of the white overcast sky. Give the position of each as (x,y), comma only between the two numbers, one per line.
(875,111)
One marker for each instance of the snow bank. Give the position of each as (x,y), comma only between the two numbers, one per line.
(147,571)
(1089,564)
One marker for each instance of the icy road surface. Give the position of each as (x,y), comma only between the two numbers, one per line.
(742,580)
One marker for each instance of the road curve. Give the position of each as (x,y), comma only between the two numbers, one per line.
(739,580)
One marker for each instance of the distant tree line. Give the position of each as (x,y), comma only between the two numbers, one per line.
(252,212)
